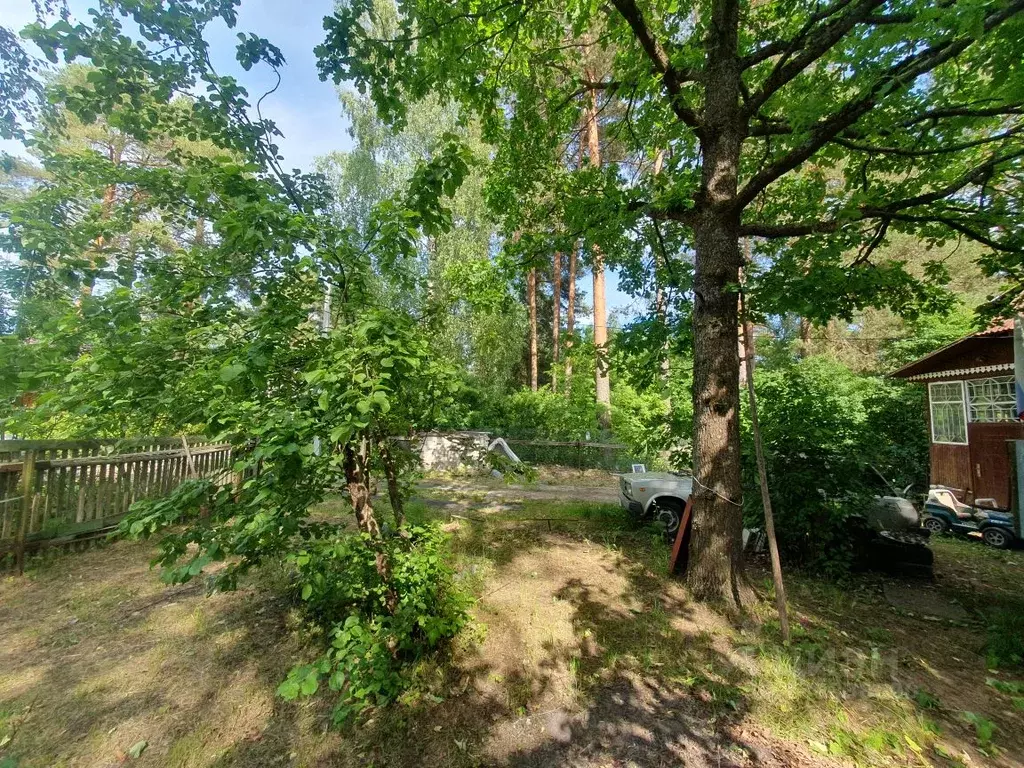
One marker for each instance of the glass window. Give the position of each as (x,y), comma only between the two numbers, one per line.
(949,414)
(992,399)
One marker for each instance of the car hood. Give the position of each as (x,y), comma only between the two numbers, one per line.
(660,480)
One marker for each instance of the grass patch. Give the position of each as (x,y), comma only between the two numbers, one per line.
(1005,645)
(99,656)
(568,510)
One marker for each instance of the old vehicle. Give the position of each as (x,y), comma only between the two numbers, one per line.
(656,496)
(887,536)
(944,513)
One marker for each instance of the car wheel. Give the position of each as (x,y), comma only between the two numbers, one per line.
(666,514)
(997,537)
(935,525)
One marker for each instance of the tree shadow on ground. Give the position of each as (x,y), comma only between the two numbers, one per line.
(585,654)
(98,655)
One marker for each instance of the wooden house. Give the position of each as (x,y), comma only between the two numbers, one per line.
(972,409)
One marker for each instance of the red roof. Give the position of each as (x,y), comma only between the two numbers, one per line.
(954,355)
(997,328)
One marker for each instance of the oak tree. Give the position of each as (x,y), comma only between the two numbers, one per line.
(817,127)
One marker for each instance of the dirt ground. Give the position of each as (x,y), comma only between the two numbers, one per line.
(582,653)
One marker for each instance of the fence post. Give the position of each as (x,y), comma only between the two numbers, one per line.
(28,487)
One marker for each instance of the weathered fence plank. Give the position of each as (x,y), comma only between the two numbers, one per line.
(51,490)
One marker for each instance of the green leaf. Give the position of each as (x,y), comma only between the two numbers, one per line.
(231,372)
(289,689)
(136,749)
(309,684)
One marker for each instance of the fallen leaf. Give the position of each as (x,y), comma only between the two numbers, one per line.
(137,749)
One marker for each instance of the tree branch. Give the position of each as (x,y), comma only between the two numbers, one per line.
(897,77)
(671,77)
(898,211)
(945,150)
(780,47)
(821,41)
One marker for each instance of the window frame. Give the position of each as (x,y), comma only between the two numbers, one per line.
(1011,399)
(963,407)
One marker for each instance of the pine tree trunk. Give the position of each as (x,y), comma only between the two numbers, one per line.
(106,210)
(570,317)
(531,299)
(556,320)
(661,313)
(715,569)
(660,306)
(602,386)
(804,347)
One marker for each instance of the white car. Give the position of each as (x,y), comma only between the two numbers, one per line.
(656,496)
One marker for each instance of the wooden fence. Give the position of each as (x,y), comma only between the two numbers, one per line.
(54,491)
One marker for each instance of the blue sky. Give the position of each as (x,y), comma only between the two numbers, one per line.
(305,110)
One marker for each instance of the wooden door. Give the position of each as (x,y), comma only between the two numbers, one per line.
(990,459)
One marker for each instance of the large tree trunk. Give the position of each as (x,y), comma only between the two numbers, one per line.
(556,320)
(531,300)
(715,568)
(602,386)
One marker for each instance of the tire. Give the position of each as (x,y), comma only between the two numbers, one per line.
(935,525)
(997,537)
(667,514)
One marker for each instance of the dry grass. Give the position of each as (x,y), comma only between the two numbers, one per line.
(583,653)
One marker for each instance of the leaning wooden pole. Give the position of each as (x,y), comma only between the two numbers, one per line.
(762,474)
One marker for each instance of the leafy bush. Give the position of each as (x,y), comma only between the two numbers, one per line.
(823,427)
(542,415)
(511,470)
(374,627)
(186,501)
(641,420)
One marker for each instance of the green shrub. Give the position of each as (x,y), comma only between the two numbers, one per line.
(642,421)
(374,628)
(823,428)
(542,415)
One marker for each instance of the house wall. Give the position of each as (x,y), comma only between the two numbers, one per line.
(454,451)
(980,469)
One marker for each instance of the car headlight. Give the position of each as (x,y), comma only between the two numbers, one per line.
(627,489)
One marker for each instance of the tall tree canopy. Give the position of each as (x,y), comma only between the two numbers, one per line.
(818,129)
